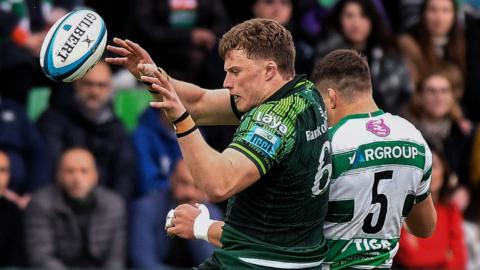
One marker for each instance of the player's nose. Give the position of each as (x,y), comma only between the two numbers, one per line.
(228,82)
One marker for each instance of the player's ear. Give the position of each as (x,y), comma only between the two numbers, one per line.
(271,70)
(331,98)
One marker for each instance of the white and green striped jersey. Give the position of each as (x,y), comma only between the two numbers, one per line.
(381,168)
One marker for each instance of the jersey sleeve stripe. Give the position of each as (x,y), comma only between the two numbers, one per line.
(250,155)
(422,197)
(426,176)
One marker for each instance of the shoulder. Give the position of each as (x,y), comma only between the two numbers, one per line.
(44,198)
(12,106)
(109,199)
(8,206)
(278,116)
(393,127)
(406,127)
(53,115)
(408,44)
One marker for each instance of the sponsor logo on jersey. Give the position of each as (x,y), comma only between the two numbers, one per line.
(272,120)
(357,157)
(378,127)
(264,140)
(368,244)
(313,134)
(382,152)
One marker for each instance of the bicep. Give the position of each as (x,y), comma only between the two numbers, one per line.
(422,218)
(243,171)
(215,108)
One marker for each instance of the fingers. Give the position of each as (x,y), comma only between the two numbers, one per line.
(120,42)
(159,105)
(166,93)
(123,44)
(150,80)
(161,78)
(136,49)
(157,86)
(117,60)
(173,231)
(118,50)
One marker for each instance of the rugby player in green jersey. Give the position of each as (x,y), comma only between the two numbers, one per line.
(276,171)
(381,170)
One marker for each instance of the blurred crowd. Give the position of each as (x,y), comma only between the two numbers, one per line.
(79,190)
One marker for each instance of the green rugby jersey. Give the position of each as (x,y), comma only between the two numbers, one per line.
(278,221)
(381,167)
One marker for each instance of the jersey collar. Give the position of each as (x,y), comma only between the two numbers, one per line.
(290,88)
(342,121)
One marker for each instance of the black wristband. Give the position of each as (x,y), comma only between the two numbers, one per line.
(181,118)
(179,135)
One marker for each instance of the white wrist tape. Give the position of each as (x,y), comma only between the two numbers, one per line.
(168,221)
(202,223)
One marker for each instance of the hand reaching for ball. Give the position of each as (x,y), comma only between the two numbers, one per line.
(130,55)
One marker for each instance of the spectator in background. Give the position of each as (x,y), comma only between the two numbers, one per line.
(402,14)
(90,122)
(356,24)
(431,111)
(10,221)
(149,245)
(282,11)
(23,26)
(157,151)
(179,33)
(445,249)
(29,165)
(75,223)
(436,39)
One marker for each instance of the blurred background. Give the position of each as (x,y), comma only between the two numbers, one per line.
(88,172)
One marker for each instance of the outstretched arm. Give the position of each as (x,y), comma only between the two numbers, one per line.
(207,107)
(219,175)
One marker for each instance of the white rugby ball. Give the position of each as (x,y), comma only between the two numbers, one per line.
(73,45)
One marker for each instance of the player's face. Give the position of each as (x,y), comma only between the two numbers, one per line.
(355,25)
(439,16)
(183,187)
(437,97)
(95,88)
(77,174)
(277,10)
(437,174)
(245,79)
(4,172)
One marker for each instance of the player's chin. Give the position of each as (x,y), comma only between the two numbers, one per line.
(242,106)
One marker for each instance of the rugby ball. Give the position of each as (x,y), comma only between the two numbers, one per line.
(73,45)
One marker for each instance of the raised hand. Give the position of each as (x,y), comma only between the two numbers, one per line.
(165,95)
(130,56)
